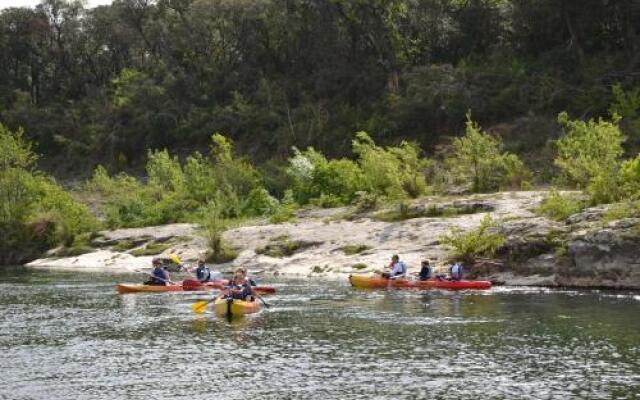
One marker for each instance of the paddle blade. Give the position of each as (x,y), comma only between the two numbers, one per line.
(200,307)
(264,289)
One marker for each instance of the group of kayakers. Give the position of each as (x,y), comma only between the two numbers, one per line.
(238,287)
(398,269)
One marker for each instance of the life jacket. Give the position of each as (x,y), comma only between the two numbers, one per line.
(203,273)
(402,271)
(456,271)
(425,272)
(159,276)
(245,286)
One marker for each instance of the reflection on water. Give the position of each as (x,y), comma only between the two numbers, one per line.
(65,335)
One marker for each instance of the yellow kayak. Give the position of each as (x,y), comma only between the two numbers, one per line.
(226,307)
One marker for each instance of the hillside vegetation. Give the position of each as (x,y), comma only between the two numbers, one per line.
(215,111)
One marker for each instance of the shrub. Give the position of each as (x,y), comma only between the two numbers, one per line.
(36,212)
(260,202)
(365,201)
(324,182)
(164,171)
(286,211)
(395,172)
(559,207)
(480,241)
(588,156)
(629,179)
(214,226)
(477,159)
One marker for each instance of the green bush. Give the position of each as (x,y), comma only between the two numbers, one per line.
(559,207)
(314,177)
(629,179)
(260,202)
(36,212)
(478,242)
(395,172)
(286,211)
(588,156)
(477,160)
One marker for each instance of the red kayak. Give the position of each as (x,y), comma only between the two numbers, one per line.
(186,285)
(378,282)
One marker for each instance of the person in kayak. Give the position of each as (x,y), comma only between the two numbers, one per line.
(159,276)
(425,271)
(204,273)
(456,271)
(239,287)
(398,268)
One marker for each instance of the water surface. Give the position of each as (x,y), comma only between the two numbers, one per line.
(71,336)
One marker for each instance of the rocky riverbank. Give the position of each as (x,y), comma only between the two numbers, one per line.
(333,243)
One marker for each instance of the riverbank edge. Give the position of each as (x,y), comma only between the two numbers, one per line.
(583,252)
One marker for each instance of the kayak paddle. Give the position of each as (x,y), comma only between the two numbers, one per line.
(200,307)
(261,299)
(157,277)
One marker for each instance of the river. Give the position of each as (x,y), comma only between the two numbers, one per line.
(71,336)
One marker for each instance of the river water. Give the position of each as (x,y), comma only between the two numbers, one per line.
(71,336)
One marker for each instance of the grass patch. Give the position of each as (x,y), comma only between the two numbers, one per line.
(559,207)
(404,211)
(627,209)
(359,266)
(124,245)
(150,249)
(285,248)
(354,249)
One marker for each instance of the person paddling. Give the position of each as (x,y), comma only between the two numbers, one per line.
(239,287)
(159,276)
(425,271)
(398,268)
(456,271)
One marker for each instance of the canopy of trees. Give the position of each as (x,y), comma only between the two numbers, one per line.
(108,83)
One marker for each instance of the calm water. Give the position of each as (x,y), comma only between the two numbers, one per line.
(71,336)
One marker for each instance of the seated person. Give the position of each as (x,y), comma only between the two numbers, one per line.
(425,271)
(159,276)
(239,287)
(204,274)
(456,271)
(398,268)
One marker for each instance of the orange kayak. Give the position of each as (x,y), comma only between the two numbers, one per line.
(377,282)
(187,285)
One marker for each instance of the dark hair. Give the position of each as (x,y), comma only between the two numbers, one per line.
(425,262)
(395,257)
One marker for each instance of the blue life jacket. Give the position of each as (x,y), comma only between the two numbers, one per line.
(159,276)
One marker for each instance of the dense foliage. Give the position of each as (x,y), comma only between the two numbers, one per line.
(108,83)
(36,213)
